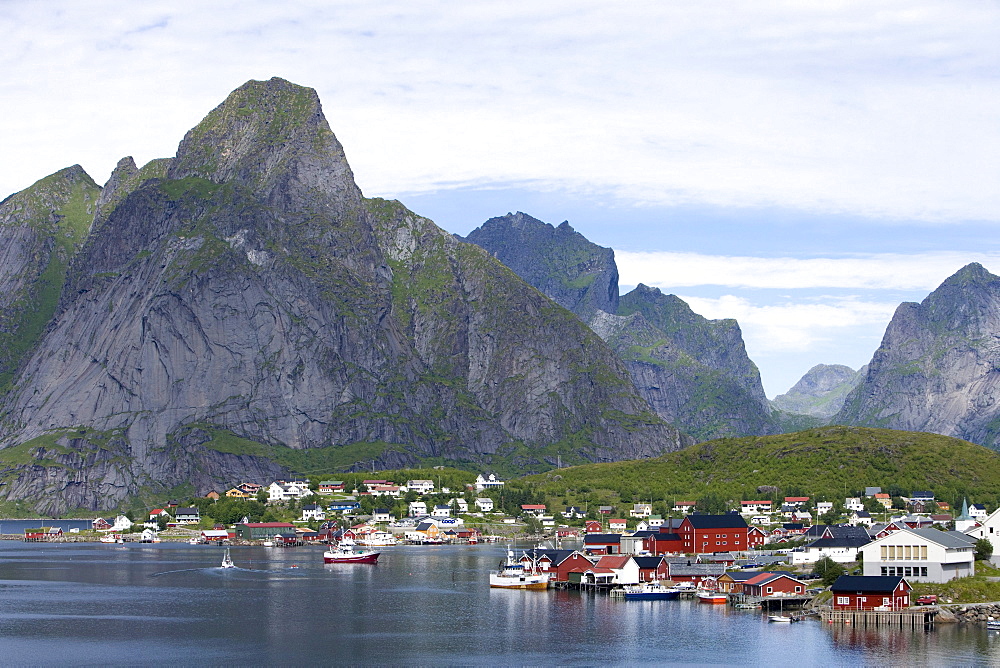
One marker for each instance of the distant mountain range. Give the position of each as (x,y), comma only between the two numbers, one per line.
(200,320)
(241,311)
(694,372)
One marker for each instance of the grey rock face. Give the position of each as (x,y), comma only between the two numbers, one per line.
(41,229)
(559,261)
(693,372)
(938,368)
(821,391)
(250,288)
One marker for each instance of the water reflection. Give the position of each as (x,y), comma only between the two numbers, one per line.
(171,604)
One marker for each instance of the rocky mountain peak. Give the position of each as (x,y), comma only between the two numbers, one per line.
(821,391)
(271,137)
(559,261)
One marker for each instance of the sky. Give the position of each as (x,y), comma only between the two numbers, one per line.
(801,167)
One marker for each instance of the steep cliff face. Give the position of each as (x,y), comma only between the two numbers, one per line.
(821,391)
(248,293)
(41,229)
(559,261)
(693,372)
(938,368)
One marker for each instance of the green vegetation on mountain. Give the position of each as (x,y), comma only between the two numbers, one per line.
(823,463)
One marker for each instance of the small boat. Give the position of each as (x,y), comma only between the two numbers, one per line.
(227,561)
(779,619)
(651,591)
(113,538)
(511,574)
(344,553)
(993,624)
(747,606)
(268,543)
(194,541)
(714,597)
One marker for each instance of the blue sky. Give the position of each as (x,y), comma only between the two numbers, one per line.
(802,167)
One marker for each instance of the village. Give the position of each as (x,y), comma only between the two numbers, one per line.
(763,553)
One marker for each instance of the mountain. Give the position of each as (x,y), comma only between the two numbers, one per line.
(694,372)
(938,367)
(821,391)
(242,307)
(572,271)
(825,462)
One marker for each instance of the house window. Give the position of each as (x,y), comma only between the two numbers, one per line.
(885,601)
(923,553)
(843,600)
(885,571)
(769,590)
(923,571)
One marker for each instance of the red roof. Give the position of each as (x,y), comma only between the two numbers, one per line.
(613,561)
(796,499)
(532,506)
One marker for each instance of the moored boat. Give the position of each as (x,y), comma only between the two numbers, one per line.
(651,591)
(779,619)
(344,553)
(715,597)
(512,574)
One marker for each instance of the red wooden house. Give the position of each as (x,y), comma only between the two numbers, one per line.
(663,542)
(558,563)
(868,592)
(755,537)
(652,568)
(602,543)
(593,526)
(773,584)
(713,533)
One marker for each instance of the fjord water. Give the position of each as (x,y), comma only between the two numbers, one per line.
(168,604)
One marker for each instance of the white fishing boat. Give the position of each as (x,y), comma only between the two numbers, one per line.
(512,574)
(345,553)
(227,561)
(779,619)
(113,538)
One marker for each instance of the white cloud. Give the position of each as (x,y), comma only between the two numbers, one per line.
(886,271)
(795,326)
(884,110)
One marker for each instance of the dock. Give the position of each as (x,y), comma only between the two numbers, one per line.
(910,618)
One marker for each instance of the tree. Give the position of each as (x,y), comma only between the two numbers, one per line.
(984,549)
(828,570)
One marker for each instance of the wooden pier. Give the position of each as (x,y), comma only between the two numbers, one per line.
(909,618)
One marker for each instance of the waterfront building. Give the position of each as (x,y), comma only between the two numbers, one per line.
(861,592)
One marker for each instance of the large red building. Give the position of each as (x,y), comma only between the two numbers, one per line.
(704,534)
(867,592)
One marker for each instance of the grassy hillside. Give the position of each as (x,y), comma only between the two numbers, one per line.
(825,462)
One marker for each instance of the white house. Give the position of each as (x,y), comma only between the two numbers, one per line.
(441,511)
(488,481)
(641,510)
(989,529)
(862,517)
(841,544)
(122,523)
(823,507)
(485,504)
(460,504)
(684,506)
(853,503)
(280,490)
(753,507)
(420,486)
(381,515)
(385,490)
(313,511)
(416,509)
(920,555)
(977,511)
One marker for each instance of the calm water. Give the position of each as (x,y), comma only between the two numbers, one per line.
(172,605)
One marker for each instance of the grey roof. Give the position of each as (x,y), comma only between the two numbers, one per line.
(944,538)
(962,536)
(696,569)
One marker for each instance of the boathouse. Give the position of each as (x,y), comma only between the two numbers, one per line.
(863,592)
